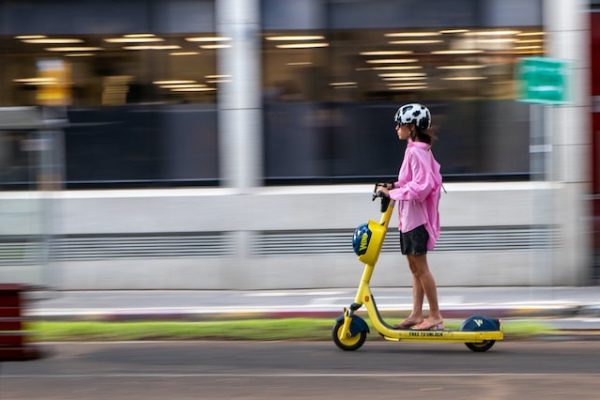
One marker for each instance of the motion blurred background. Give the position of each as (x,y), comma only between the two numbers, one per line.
(233,144)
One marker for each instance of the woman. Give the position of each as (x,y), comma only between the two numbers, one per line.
(417,192)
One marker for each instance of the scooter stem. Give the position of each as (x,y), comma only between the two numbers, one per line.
(386,216)
(369,269)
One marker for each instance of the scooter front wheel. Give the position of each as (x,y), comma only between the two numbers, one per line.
(348,343)
(481,346)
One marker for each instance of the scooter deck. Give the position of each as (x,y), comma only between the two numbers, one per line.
(444,336)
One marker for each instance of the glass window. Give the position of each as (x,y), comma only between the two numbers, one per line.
(330,94)
(142,108)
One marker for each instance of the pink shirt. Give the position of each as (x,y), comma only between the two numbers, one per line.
(417,191)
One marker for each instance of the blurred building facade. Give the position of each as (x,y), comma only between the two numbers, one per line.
(232,143)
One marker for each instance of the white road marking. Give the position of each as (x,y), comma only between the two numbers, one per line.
(294,293)
(296,375)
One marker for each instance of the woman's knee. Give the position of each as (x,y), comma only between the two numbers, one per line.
(418,265)
(411,265)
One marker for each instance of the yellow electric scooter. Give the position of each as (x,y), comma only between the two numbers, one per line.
(478,333)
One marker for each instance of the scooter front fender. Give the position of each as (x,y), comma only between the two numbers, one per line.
(356,326)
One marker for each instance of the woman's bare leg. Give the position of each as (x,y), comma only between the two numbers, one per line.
(418,294)
(421,272)
(416,316)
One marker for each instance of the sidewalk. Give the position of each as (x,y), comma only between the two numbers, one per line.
(567,308)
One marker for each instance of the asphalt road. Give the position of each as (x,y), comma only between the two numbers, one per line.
(303,370)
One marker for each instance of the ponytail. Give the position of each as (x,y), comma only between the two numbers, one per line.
(423,135)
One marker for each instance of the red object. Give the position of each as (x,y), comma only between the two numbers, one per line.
(595,56)
(595,161)
(595,135)
(13,343)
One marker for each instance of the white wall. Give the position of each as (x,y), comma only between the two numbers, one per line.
(241,216)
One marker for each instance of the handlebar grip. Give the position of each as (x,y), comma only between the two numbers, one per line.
(385,202)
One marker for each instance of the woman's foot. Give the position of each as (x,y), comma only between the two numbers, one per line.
(408,323)
(429,325)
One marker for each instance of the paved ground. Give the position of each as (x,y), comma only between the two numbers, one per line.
(301,370)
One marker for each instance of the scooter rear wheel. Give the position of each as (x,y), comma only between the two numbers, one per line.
(348,344)
(481,346)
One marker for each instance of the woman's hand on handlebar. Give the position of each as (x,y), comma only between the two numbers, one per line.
(382,189)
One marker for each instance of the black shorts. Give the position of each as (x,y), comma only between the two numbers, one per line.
(414,243)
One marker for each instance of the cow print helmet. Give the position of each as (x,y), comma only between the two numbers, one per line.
(414,113)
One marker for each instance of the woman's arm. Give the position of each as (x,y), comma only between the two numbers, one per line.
(421,184)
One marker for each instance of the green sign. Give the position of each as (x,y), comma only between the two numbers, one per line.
(542,80)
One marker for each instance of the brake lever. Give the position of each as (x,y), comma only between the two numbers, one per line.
(375,193)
